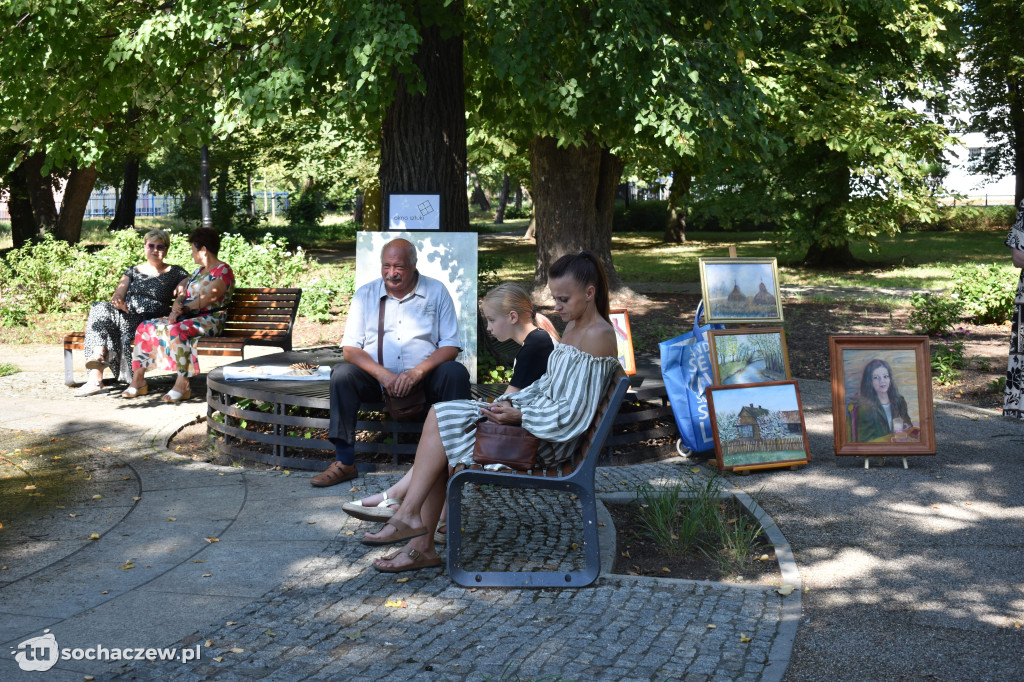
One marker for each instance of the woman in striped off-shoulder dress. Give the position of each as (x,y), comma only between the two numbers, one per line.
(557,408)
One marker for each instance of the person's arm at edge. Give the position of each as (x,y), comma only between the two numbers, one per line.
(1018,257)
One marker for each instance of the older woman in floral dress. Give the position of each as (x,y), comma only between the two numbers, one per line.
(199,309)
(145,291)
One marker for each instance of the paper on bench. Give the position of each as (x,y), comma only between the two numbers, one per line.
(275,373)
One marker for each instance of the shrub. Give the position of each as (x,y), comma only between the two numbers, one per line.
(948,356)
(934,314)
(319,296)
(52,275)
(513,213)
(13,316)
(985,291)
(965,218)
(307,210)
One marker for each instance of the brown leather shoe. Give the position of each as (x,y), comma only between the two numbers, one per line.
(335,474)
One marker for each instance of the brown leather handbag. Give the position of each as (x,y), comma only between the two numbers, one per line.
(410,407)
(513,446)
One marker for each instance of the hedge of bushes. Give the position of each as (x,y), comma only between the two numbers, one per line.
(52,275)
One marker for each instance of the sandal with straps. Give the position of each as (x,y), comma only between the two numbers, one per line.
(133,392)
(379,512)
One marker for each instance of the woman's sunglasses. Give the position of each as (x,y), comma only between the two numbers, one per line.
(155,247)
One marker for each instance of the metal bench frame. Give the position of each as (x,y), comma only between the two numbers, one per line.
(574,477)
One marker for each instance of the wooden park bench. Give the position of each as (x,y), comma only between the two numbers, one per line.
(575,476)
(256,317)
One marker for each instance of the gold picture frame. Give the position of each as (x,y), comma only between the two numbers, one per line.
(748,356)
(740,290)
(624,339)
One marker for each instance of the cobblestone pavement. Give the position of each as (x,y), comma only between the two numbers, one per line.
(286,592)
(341,619)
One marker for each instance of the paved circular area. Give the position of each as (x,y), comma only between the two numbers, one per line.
(265,573)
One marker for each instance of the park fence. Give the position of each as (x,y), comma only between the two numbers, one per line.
(103,204)
(740,447)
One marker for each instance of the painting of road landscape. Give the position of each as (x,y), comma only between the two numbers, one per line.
(748,356)
(740,290)
(758,425)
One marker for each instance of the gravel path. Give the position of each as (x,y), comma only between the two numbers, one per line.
(910,573)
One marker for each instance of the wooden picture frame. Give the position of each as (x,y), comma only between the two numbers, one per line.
(899,367)
(748,356)
(740,290)
(624,339)
(414,212)
(758,426)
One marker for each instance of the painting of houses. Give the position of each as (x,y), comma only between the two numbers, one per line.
(740,290)
(758,425)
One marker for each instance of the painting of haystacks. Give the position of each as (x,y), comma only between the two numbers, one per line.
(740,290)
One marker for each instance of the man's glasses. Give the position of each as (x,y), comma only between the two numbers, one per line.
(156,247)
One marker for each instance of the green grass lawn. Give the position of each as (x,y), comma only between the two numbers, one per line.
(918,260)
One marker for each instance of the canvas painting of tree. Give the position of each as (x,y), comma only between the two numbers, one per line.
(743,356)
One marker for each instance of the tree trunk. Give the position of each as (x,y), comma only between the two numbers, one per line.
(499,217)
(831,256)
(76,200)
(827,200)
(223,210)
(573,202)
(357,210)
(678,205)
(480,197)
(251,203)
(423,137)
(206,211)
(371,206)
(23,226)
(124,216)
(519,196)
(40,194)
(1017,139)
(623,192)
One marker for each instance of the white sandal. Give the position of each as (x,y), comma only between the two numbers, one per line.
(378,512)
(88,388)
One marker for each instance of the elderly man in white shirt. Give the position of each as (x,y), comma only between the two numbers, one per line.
(420,344)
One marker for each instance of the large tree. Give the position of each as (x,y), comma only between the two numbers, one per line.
(994,70)
(856,98)
(595,85)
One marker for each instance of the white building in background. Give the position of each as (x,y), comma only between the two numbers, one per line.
(980,189)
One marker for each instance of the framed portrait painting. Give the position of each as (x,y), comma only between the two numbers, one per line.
(882,395)
(740,290)
(624,339)
(758,426)
(748,356)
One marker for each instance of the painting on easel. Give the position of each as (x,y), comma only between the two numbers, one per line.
(740,290)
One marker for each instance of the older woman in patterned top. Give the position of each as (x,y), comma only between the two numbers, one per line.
(557,409)
(145,291)
(199,309)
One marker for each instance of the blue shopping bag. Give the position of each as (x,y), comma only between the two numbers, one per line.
(686,369)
